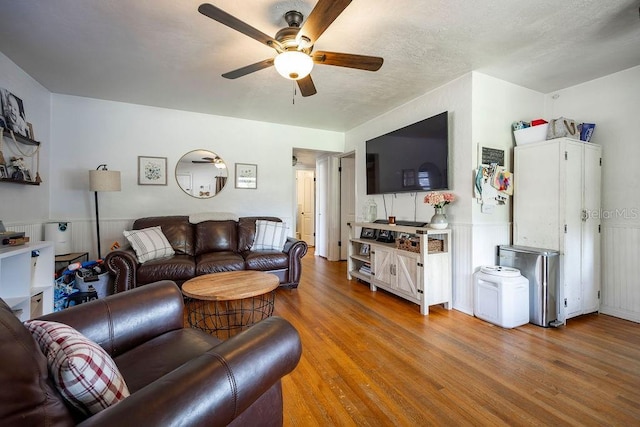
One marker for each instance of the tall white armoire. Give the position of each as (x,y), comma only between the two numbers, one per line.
(557,206)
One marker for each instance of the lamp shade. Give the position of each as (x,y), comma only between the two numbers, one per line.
(104,180)
(293,64)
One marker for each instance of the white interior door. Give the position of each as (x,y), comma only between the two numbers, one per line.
(322,219)
(185,182)
(572,249)
(590,232)
(306,203)
(347,200)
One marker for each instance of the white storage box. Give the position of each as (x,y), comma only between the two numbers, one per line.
(501,296)
(102,285)
(531,134)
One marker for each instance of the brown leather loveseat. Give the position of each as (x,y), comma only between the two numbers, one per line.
(205,247)
(175,375)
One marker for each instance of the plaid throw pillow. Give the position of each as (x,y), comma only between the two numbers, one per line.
(84,373)
(270,235)
(149,243)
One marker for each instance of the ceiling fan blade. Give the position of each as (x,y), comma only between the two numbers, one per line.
(360,62)
(322,15)
(307,88)
(232,22)
(248,69)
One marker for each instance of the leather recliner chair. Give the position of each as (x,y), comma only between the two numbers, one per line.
(176,375)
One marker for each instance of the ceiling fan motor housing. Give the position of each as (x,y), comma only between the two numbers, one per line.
(293,18)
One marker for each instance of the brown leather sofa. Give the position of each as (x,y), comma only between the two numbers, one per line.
(203,248)
(176,375)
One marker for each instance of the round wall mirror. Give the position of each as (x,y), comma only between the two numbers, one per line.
(201,174)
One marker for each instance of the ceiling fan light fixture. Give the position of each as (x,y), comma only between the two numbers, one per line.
(293,64)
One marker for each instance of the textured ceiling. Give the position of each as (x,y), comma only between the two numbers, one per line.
(164,53)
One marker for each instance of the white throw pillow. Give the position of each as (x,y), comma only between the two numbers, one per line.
(149,243)
(270,235)
(86,376)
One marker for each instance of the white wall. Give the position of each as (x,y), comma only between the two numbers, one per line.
(495,105)
(87,132)
(613,104)
(454,97)
(26,203)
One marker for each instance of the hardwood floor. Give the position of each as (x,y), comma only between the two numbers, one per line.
(370,358)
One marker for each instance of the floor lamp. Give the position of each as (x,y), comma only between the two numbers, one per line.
(102,179)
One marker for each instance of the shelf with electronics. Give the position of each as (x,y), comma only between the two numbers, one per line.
(12,167)
(411,262)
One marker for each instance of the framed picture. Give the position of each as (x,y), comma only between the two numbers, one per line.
(246,175)
(364,249)
(13,112)
(489,155)
(27,175)
(386,236)
(368,233)
(152,170)
(3,172)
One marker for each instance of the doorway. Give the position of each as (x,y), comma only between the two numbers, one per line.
(347,200)
(306,190)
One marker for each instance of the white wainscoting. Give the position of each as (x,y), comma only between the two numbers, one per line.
(35,232)
(474,245)
(461,235)
(620,290)
(83,234)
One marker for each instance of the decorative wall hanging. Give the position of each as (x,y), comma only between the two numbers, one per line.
(493,185)
(246,175)
(13,115)
(152,170)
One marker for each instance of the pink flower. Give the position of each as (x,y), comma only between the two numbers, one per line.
(439,200)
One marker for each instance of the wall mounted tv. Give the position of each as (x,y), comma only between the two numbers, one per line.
(414,158)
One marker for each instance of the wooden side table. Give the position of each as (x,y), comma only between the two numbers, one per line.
(227,303)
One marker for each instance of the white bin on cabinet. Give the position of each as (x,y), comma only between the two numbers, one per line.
(501,296)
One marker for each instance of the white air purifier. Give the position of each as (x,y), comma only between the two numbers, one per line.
(60,234)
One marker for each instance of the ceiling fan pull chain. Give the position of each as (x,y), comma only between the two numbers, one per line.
(293,98)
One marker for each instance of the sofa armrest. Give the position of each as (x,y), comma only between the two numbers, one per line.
(218,386)
(123,266)
(122,321)
(295,249)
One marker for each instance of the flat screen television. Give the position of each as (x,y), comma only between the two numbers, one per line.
(414,158)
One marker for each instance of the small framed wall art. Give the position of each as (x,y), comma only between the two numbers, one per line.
(152,170)
(246,175)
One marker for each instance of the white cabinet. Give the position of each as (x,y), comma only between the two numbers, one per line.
(23,276)
(557,206)
(397,269)
(422,277)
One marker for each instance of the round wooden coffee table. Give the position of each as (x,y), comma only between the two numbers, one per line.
(227,303)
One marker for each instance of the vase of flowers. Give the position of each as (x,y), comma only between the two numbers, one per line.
(439,201)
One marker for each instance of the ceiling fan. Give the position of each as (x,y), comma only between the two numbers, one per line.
(217,161)
(294,44)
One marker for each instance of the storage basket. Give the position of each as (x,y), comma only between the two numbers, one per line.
(435,245)
(411,244)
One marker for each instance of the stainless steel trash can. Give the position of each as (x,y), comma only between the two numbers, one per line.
(542,268)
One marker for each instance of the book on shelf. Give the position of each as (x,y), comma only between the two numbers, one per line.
(365,269)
